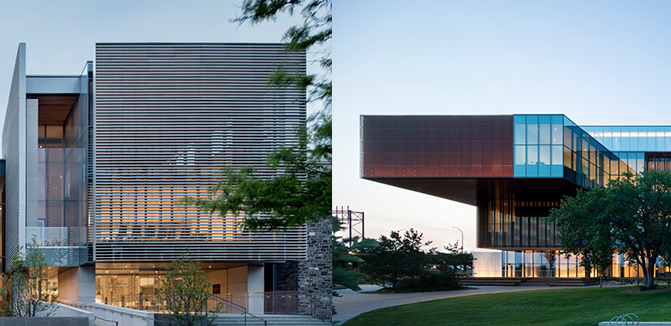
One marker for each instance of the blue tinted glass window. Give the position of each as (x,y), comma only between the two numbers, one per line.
(532,133)
(557,155)
(520,133)
(557,136)
(532,161)
(520,155)
(545,134)
(544,161)
(557,119)
(624,142)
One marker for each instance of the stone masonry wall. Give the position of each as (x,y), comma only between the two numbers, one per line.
(287,276)
(315,273)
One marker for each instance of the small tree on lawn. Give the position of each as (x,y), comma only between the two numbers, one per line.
(27,290)
(185,292)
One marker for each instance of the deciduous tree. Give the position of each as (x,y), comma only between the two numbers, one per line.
(27,287)
(184,293)
(302,192)
(632,215)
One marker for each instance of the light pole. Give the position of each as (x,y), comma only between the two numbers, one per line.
(462,238)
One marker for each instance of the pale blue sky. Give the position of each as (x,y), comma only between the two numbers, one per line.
(598,62)
(602,62)
(61,35)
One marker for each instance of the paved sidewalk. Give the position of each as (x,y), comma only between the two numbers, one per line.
(352,304)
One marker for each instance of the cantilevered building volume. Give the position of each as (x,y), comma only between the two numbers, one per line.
(514,169)
(98,164)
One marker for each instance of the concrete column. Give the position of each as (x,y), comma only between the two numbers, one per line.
(87,283)
(78,284)
(255,284)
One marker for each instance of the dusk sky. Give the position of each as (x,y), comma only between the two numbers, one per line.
(598,62)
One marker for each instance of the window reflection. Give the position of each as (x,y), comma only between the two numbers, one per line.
(582,159)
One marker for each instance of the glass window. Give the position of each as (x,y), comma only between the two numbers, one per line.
(568,135)
(557,134)
(568,161)
(557,155)
(545,134)
(54,136)
(532,152)
(532,161)
(544,161)
(520,133)
(544,152)
(532,133)
(520,154)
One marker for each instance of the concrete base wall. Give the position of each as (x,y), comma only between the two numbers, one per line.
(219,277)
(237,280)
(44,321)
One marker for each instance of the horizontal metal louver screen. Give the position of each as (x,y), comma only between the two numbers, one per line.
(167,119)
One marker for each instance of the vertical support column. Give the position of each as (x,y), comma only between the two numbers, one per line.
(255,284)
(315,273)
(87,283)
(78,284)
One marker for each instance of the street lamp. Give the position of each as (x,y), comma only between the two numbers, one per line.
(462,238)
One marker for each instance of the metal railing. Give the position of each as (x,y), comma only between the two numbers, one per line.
(624,320)
(275,303)
(116,323)
(239,308)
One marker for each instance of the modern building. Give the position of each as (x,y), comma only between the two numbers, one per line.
(514,169)
(98,164)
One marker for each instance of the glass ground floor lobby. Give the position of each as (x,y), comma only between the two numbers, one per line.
(549,263)
(135,285)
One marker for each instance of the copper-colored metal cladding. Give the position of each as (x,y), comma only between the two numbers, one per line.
(437,146)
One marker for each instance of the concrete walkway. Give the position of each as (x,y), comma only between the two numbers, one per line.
(352,304)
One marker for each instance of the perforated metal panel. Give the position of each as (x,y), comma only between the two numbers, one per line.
(167,119)
(14,151)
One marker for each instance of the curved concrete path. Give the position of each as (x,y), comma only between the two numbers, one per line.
(352,304)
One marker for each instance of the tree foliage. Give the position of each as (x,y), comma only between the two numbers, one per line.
(344,262)
(405,261)
(27,288)
(631,215)
(302,191)
(315,31)
(185,292)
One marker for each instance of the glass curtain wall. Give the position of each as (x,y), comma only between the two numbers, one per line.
(549,146)
(62,194)
(551,263)
(75,180)
(515,223)
(632,138)
(50,172)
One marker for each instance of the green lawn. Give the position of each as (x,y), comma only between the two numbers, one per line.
(580,306)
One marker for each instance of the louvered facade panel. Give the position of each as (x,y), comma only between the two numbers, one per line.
(167,119)
(14,152)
